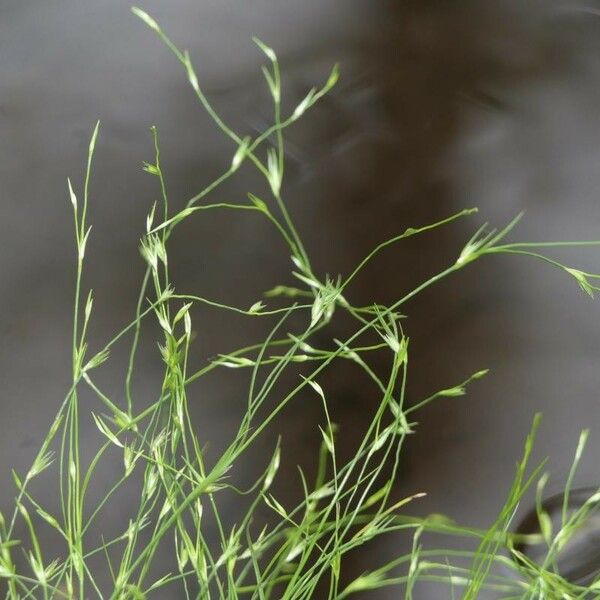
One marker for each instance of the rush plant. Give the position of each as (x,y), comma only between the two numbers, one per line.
(300,552)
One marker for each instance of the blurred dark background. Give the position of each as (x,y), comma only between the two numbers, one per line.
(441,105)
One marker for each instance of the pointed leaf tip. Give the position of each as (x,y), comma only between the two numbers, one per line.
(268,51)
(144,16)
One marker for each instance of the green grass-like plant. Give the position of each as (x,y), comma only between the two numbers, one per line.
(299,553)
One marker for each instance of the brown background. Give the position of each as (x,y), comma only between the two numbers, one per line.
(441,105)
